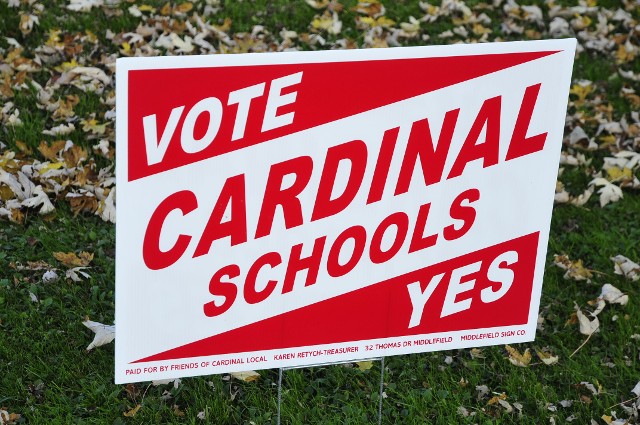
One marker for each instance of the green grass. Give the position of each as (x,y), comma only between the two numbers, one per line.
(47,376)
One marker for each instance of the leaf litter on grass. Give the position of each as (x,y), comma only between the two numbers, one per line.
(65,78)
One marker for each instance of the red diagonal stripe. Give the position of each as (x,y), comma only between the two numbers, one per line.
(327,92)
(383,310)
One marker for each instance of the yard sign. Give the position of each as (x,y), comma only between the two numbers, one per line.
(285,209)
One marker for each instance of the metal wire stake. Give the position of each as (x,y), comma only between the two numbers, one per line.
(381,388)
(279,392)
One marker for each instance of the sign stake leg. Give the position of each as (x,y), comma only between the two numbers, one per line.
(381,390)
(279,393)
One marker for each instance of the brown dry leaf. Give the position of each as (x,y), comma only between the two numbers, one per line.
(517,359)
(366,365)
(22,147)
(70,259)
(51,152)
(9,418)
(246,376)
(74,155)
(82,202)
(372,8)
(496,399)
(5,87)
(132,412)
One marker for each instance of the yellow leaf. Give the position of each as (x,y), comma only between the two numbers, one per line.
(6,193)
(366,365)
(479,29)
(51,166)
(246,376)
(132,412)
(166,9)
(608,140)
(615,174)
(70,259)
(385,22)
(323,22)
(66,66)
(126,47)
(582,91)
(54,38)
(146,8)
(91,37)
(574,269)
(93,126)
(517,359)
(184,7)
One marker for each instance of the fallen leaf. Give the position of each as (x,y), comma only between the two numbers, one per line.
(495,399)
(476,353)
(246,376)
(636,389)
(609,192)
(574,269)
(365,365)
(132,412)
(587,327)
(517,359)
(77,274)
(546,357)
(462,411)
(589,386)
(50,276)
(625,267)
(176,382)
(482,391)
(7,418)
(70,259)
(613,295)
(104,334)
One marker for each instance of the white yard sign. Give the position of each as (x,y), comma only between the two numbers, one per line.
(299,208)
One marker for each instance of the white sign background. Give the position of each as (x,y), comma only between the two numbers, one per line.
(159,310)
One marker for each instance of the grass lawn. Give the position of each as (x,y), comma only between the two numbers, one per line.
(47,376)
